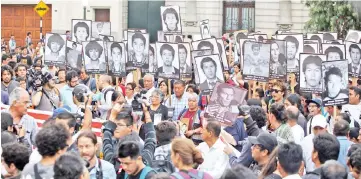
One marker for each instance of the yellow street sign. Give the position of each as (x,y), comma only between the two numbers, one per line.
(41,8)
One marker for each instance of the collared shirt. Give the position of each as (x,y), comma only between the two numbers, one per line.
(215,160)
(149,93)
(345,144)
(178,104)
(307,148)
(355,69)
(107,170)
(211,83)
(294,176)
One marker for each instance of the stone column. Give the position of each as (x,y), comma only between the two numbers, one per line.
(285,15)
(190,23)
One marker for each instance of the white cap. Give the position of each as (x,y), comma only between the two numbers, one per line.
(319,121)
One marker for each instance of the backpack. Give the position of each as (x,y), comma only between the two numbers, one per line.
(199,175)
(163,166)
(144,173)
(106,92)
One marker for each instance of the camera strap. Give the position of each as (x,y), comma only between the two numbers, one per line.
(51,101)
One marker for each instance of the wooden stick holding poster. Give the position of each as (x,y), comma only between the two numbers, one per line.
(170,92)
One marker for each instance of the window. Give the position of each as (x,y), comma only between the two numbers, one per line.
(238,15)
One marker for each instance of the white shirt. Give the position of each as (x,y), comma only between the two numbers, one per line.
(149,93)
(307,148)
(354,110)
(215,160)
(298,133)
(294,176)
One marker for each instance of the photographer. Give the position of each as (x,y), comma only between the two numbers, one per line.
(46,96)
(82,98)
(66,92)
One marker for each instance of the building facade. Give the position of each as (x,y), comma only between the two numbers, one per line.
(18,16)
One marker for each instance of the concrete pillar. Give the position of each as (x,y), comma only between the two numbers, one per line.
(285,15)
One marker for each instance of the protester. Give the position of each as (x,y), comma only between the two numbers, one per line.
(314,108)
(238,172)
(278,123)
(292,114)
(14,156)
(295,100)
(70,165)
(340,131)
(66,93)
(7,84)
(179,100)
(289,158)
(129,93)
(333,169)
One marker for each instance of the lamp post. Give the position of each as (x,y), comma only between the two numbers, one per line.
(85,4)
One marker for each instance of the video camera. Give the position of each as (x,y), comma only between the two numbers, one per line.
(138,100)
(37,78)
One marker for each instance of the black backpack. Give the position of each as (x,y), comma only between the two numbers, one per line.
(106,92)
(164,165)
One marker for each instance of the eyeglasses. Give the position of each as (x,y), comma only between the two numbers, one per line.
(129,89)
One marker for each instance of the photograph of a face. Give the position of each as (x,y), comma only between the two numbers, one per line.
(125,32)
(138,49)
(55,49)
(318,37)
(294,46)
(204,29)
(210,71)
(106,38)
(167,57)
(238,49)
(353,56)
(94,57)
(353,36)
(177,38)
(329,36)
(116,58)
(310,47)
(223,103)
(278,62)
(196,53)
(334,51)
(185,63)
(81,30)
(103,28)
(222,53)
(256,61)
(260,37)
(171,20)
(311,72)
(206,44)
(335,74)
(73,55)
(153,64)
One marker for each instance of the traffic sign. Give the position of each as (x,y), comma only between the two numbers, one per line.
(41,8)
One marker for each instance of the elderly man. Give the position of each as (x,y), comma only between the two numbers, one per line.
(18,101)
(179,100)
(148,80)
(292,114)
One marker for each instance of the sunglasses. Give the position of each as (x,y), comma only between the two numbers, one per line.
(275,90)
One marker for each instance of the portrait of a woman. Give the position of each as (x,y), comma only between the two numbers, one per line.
(170,20)
(278,61)
(93,50)
(56,53)
(153,64)
(138,56)
(81,32)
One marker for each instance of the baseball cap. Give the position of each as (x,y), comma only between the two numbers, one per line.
(59,111)
(315,100)
(319,121)
(267,140)
(81,90)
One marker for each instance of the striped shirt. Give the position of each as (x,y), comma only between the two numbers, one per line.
(178,105)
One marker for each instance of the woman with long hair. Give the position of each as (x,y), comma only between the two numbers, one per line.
(184,156)
(278,60)
(163,86)
(269,171)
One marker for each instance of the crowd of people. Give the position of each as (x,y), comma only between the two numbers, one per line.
(277,133)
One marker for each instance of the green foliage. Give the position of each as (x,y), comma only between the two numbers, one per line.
(333,16)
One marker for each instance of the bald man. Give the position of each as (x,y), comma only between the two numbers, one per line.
(292,114)
(105,103)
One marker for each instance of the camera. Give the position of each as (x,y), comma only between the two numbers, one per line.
(138,100)
(37,78)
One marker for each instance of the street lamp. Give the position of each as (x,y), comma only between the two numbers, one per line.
(85,4)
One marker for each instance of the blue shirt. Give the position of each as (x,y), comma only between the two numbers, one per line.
(344,146)
(4,97)
(178,104)
(107,170)
(66,94)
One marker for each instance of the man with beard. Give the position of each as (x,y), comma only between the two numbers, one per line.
(87,146)
(55,43)
(171,20)
(292,48)
(167,53)
(355,55)
(87,80)
(61,78)
(7,84)
(184,68)
(209,68)
(66,93)
(47,97)
(312,71)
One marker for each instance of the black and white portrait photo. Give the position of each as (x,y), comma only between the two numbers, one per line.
(311,72)
(329,36)
(177,38)
(210,71)
(106,38)
(171,20)
(168,63)
(294,46)
(334,51)
(353,55)
(138,49)
(125,32)
(260,37)
(206,44)
(310,48)
(339,41)
(223,103)
(103,28)
(162,37)
(353,36)
(278,62)
(116,58)
(81,30)
(256,61)
(196,53)
(240,48)
(204,29)
(318,37)
(185,63)
(153,64)
(238,52)
(73,55)
(222,53)
(335,75)
(55,49)
(94,57)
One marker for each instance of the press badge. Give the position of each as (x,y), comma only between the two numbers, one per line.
(157,118)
